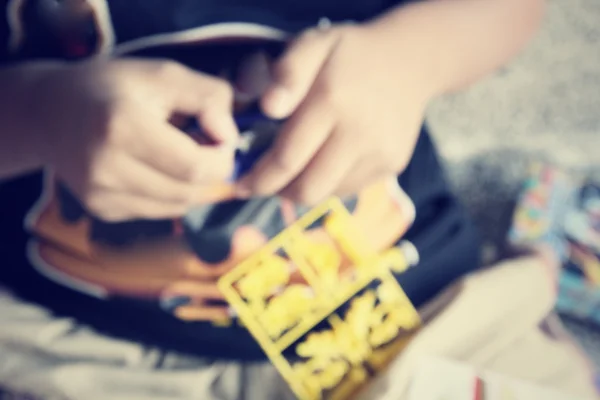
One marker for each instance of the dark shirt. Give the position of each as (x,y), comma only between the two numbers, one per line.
(41,273)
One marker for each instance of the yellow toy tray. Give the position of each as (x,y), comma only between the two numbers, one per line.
(326,310)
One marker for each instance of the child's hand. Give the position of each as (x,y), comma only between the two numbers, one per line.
(104,127)
(354,116)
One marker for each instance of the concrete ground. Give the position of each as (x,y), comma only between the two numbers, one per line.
(544,106)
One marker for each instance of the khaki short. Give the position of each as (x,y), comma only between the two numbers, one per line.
(499,319)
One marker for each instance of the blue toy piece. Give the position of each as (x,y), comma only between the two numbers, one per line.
(257,134)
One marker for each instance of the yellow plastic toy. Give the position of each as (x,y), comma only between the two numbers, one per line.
(328,312)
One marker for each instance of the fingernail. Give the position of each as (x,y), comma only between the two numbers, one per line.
(410,252)
(278,102)
(215,193)
(408,207)
(228,132)
(170,303)
(403,200)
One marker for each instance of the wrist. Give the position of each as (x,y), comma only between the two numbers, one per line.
(410,47)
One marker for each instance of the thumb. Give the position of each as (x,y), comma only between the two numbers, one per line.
(295,73)
(207,98)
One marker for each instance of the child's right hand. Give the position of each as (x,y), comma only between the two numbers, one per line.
(104,128)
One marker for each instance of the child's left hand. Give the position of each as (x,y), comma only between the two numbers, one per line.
(354,112)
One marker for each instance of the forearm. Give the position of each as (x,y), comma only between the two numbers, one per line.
(456,42)
(18,138)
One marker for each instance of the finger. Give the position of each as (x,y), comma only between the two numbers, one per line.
(215,193)
(301,137)
(253,77)
(209,98)
(196,291)
(219,125)
(172,152)
(289,213)
(296,71)
(325,172)
(203,313)
(116,207)
(139,179)
(206,271)
(365,173)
